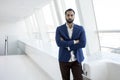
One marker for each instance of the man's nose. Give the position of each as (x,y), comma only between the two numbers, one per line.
(70,17)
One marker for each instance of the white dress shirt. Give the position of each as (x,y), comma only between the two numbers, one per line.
(70,32)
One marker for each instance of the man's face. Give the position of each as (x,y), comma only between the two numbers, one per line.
(70,16)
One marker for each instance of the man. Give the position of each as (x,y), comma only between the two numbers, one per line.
(70,39)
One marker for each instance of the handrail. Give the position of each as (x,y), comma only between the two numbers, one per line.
(6,45)
(111,47)
(109,31)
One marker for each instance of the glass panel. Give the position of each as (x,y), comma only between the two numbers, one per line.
(107,14)
(51,22)
(110,41)
(35,25)
(48,17)
(51,36)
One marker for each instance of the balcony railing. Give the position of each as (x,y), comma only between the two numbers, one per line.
(110,40)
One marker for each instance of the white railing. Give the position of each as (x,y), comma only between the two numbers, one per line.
(44,60)
(113,37)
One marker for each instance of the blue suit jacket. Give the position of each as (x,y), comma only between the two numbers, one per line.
(78,34)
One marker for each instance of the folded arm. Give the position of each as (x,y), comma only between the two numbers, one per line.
(60,42)
(82,41)
(72,44)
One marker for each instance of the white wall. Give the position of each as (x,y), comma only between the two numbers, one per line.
(14,31)
(2,44)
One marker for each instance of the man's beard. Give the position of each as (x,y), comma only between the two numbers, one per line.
(69,20)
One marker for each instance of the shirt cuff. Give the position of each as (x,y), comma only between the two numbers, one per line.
(68,48)
(75,42)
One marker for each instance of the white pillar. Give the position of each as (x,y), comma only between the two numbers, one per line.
(87,17)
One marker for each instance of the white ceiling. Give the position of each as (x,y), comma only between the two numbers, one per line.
(12,10)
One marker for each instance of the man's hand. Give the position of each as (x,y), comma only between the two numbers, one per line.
(76,41)
(61,39)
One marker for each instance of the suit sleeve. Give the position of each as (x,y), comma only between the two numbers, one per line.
(62,43)
(82,42)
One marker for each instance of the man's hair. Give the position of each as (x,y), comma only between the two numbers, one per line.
(69,10)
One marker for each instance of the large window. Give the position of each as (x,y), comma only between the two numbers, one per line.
(51,22)
(32,27)
(107,14)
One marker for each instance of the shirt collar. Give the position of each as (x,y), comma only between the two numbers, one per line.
(68,26)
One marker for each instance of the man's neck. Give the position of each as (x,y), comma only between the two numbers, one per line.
(70,25)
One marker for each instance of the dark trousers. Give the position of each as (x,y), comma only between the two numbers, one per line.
(75,67)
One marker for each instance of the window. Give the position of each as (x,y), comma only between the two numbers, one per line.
(51,22)
(32,26)
(107,14)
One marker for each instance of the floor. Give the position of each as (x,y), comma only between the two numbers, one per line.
(20,67)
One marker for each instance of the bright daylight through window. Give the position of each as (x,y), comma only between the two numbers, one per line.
(107,14)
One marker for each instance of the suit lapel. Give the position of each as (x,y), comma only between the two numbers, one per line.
(74,31)
(66,31)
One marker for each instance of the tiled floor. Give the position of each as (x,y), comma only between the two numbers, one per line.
(19,67)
